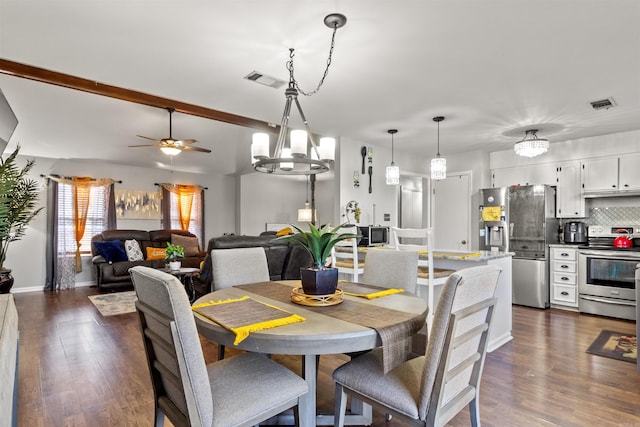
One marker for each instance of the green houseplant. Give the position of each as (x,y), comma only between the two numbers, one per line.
(319,279)
(174,253)
(18,198)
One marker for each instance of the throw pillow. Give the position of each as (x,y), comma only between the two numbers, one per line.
(189,243)
(284,232)
(132,248)
(156,253)
(111,250)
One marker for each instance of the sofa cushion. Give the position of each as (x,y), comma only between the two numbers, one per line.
(112,250)
(190,244)
(156,253)
(132,248)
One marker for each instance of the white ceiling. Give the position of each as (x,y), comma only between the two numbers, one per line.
(492,68)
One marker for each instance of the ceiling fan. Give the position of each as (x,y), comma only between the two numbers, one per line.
(172,146)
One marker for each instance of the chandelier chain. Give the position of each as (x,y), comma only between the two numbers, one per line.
(292,80)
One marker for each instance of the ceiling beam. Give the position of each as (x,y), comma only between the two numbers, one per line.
(85,85)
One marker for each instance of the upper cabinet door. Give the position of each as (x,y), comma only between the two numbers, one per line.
(600,174)
(630,172)
(569,200)
(524,175)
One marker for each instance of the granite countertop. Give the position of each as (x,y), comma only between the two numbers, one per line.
(444,254)
(566,245)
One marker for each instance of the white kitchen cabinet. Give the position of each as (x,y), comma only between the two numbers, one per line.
(629,172)
(600,174)
(524,175)
(569,200)
(564,277)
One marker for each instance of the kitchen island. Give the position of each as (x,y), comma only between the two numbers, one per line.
(500,332)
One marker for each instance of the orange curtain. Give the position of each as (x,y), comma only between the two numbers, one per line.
(81,197)
(185,201)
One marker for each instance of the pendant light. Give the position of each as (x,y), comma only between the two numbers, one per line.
(393,172)
(295,160)
(438,164)
(531,145)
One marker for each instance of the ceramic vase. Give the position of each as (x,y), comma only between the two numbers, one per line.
(6,281)
(174,265)
(319,282)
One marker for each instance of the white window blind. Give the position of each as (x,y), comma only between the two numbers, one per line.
(96,218)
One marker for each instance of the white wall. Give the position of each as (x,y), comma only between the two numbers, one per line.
(26,257)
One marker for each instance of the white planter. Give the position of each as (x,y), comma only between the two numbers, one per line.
(174,265)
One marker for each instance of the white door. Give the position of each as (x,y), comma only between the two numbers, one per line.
(451,212)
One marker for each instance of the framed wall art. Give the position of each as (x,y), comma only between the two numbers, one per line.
(137,204)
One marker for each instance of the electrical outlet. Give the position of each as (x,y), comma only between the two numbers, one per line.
(387,217)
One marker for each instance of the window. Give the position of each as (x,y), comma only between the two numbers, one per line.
(96,218)
(196,219)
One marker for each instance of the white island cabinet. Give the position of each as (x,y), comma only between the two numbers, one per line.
(500,332)
(564,276)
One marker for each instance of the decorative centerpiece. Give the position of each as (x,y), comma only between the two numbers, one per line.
(18,197)
(319,279)
(174,253)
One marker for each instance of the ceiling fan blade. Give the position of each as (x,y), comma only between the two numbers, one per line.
(146,145)
(192,148)
(150,139)
(188,141)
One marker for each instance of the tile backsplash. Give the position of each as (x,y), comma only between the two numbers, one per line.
(614,216)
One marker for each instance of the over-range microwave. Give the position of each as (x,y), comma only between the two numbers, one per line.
(373,235)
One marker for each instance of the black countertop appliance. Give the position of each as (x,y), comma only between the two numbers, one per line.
(575,232)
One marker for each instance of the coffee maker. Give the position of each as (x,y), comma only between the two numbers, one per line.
(575,232)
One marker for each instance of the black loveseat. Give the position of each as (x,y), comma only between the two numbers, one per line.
(115,275)
(284,258)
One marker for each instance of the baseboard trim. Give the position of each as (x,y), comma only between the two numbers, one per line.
(15,290)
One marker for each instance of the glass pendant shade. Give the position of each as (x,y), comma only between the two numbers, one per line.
(531,145)
(299,143)
(393,175)
(259,146)
(327,149)
(305,214)
(170,151)
(438,168)
(286,154)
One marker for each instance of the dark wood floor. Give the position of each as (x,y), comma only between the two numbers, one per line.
(78,368)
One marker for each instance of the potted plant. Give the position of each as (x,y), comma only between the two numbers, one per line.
(174,253)
(319,279)
(18,197)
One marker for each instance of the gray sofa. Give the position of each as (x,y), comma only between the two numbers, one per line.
(284,259)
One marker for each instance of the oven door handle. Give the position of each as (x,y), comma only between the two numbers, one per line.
(608,301)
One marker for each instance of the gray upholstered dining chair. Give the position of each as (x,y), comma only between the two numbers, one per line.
(391,269)
(240,391)
(237,266)
(431,389)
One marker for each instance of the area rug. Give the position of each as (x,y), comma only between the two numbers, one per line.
(115,303)
(615,345)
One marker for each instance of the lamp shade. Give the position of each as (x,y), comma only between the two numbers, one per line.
(392,175)
(305,214)
(286,154)
(327,148)
(259,146)
(438,168)
(298,143)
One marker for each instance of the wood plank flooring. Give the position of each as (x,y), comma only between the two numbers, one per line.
(77,368)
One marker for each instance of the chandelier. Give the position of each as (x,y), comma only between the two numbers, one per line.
(294,159)
(438,164)
(392,174)
(531,145)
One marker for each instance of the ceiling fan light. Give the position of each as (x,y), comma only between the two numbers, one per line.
(170,151)
(531,145)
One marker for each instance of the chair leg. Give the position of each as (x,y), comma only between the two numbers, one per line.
(296,416)
(159,417)
(340,407)
(220,352)
(474,411)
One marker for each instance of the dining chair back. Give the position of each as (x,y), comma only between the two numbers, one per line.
(431,389)
(391,269)
(242,390)
(345,256)
(238,266)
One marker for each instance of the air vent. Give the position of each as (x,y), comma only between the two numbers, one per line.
(603,104)
(263,79)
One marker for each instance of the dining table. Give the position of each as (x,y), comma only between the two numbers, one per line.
(358,318)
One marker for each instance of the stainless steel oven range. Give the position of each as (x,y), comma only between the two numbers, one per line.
(606,274)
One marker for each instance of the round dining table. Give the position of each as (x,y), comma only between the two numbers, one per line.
(324,331)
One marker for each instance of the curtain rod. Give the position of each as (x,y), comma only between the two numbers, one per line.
(205,188)
(68,177)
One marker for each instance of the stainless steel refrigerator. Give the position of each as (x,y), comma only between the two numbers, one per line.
(529,227)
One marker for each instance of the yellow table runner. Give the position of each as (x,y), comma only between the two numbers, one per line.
(245,315)
(373,295)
